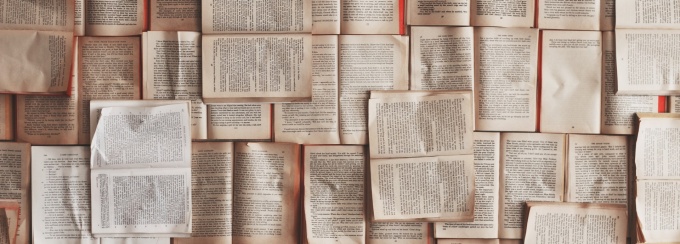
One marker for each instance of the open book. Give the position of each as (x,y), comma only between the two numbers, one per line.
(110,18)
(347,17)
(576,15)
(519,13)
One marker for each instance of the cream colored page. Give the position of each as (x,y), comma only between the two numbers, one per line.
(618,111)
(674,104)
(211,193)
(109,68)
(485,224)
(315,122)
(506,61)
(571,100)
(597,169)
(16,183)
(334,194)
(656,150)
(259,16)
(571,224)
(114,17)
(35,61)
(502,13)
(326,17)
(6,117)
(181,15)
(173,71)
(415,126)
(569,15)
(368,63)
(647,62)
(37,15)
(397,233)
(467,241)
(647,14)
(257,68)
(135,240)
(538,155)
(442,58)
(437,12)
(379,17)
(79,21)
(61,216)
(266,193)
(658,210)
(251,121)
(445,185)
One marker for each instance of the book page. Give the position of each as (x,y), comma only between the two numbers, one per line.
(315,122)
(180,15)
(257,68)
(35,61)
(172,70)
(398,233)
(379,17)
(79,21)
(61,195)
(445,185)
(37,15)
(571,100)
(539,155)
(251,121)
(442,58)
(467,241)
(647,62)
(259,16)
(485,225)
(569,15)
(368,63)
(416,125)
(7,117)
(15,161)
(674,104)
(647,14)
(658,210)
(211,193)
(597,169)
(576,223)
(334,194)
(114,17)
(135,240)
(437,12)
(266,193)
(656,150)
(506,61)
(607,15)
(503,14)
(109,68)
(326,17)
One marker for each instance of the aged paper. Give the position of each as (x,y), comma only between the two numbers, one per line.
(442,58)
(114,17)
(220,17)
(179,15)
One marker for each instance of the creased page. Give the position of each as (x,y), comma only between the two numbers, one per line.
(9,221)
(647,62)
(266,193)
(532,169)
(259,16)
(597,169)
(485,225)
(246,121)
(398,233)
(656,150)
(114,17)
(15,161)
(569,15)
(658,210)
(315,122)
(61,195)
(442,58)
(7,117)
(334,194)
(570,101)
(381,17)
(35,61)
(516,13)
(326,17)
(180,15)
(647,14)
(438,12)
(37,15)
(414,125)
(506,61)
(368,63)
(172,70)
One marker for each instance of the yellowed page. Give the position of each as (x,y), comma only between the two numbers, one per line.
(413,125)
(315,122)
(37,15)
(259,16)
(658,210)
(257,68)
(249,121)
(607,15)
(576,223)
(182,15)
(647,62)
(173,71)
(334,194)
(502,13)
(397,233)
(674,104)
(485,225)
(266,193)
(379,17)
(569,15)
(211,193)
(16,183)
(35,61)
(532,169)
(467,241)
(506,61)
(647,14)
(656,150)
(6,117)
(570,101)
(597,169)
(326,17)
(442,58)
(114,17)
(79,22)
(510,241)
(437,12)
(135,240)
(368,63)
